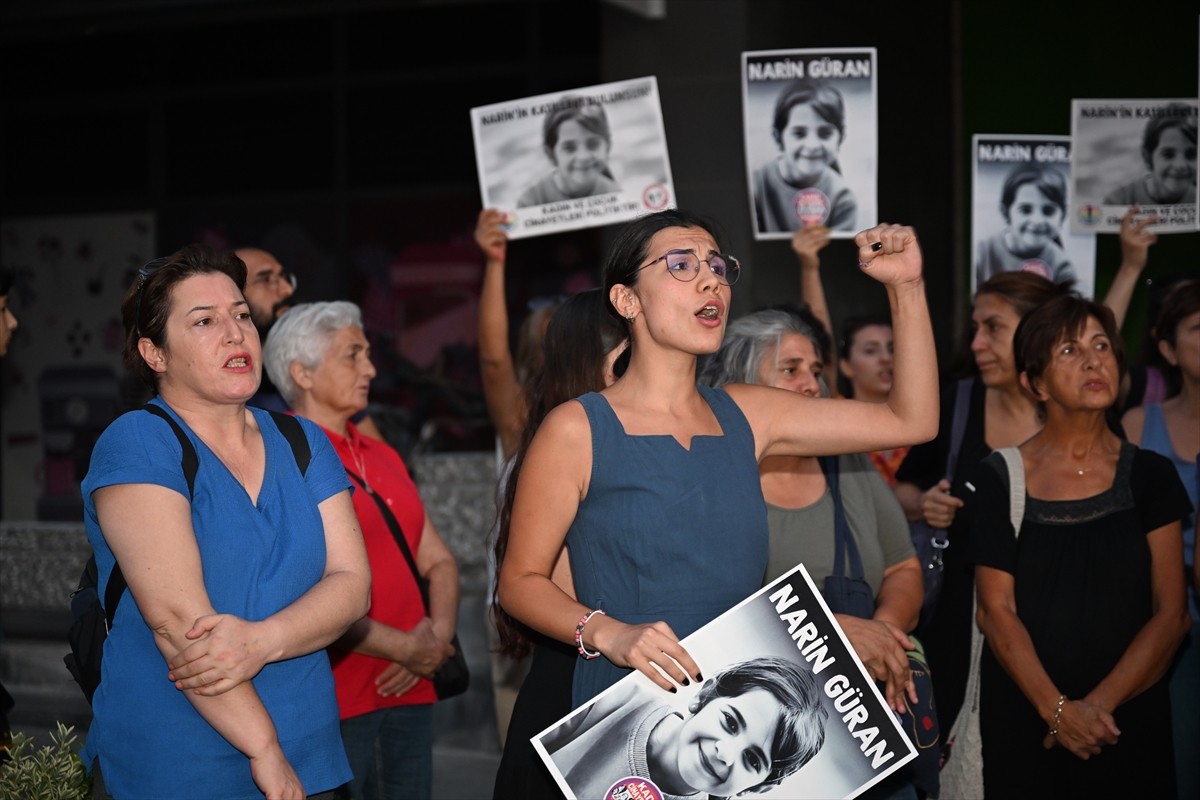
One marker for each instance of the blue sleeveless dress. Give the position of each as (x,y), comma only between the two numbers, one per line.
(666,533)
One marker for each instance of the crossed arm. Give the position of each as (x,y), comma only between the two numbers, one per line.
(165,578)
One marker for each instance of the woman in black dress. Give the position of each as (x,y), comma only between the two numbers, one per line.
(1083,608)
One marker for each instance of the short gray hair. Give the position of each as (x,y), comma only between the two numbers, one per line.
(304,334)
(752,338)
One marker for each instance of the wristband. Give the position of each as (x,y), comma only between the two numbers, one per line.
(1062,698)
(579,645)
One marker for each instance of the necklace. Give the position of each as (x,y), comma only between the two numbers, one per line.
(362,467)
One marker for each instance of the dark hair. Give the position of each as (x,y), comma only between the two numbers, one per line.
(579,337)
(1064,316)
(1046,180)
(1180,302)
(1175,115)
(850,330)
(629,250)
(801,731)
(824,97)
(590,116)
(147,303)
(1024,291)
(6,280)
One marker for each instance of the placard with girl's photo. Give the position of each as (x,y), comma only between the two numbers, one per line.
(1133,152)
(811,138)
(785,709)
(1019,211)
(577,159)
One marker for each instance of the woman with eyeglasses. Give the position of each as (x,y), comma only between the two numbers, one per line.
(215,681)
(653,482)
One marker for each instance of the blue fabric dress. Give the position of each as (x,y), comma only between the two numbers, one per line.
(666,533)
(257,559)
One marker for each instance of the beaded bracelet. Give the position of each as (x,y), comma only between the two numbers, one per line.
(579,645)
(1062,698)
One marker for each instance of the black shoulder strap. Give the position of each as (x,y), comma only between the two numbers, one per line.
(398,533)
(288,425)
(190,461)
(958,424)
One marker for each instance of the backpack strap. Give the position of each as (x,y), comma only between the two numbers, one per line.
(288,425)
(190,461)
(291,429)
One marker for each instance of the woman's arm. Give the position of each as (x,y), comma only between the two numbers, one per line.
(882,642)
(426,646)
(437,564)
(1149,654)
(807,244)
(787,423)
(230,650)
(501,389)
(1135,252)
(166,581)
(1083,726)
(552,482)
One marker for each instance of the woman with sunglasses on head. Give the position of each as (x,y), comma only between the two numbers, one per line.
(653,482)
(215,681)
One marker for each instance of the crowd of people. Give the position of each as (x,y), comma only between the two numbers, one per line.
(650,476)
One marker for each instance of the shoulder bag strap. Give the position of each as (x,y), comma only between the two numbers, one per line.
(958,424)
(398,533)
(1016,487)
(843,538)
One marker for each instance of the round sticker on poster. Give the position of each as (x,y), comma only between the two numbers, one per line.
(633,788)
(655,197)
(812,207)
(1036,266)
(1089,214)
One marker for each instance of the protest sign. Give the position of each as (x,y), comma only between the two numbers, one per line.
(786,709)
(1019,210)
(811,136)
(578,159)
(1127,152)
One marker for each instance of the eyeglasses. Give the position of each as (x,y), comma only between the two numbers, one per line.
(684,265)
(143,275)
(272,280)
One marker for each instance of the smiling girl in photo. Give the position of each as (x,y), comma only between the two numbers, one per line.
(1033,202)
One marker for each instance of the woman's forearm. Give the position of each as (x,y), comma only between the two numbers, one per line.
(539,603)
(1144,662)
(900,594)
(914,396)
(443,597)
(1010,643)
(319,617)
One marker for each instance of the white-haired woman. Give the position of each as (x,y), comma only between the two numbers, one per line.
(319,359)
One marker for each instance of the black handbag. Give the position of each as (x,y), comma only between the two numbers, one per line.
(453,677)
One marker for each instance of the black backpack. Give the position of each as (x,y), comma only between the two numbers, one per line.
(91,621)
